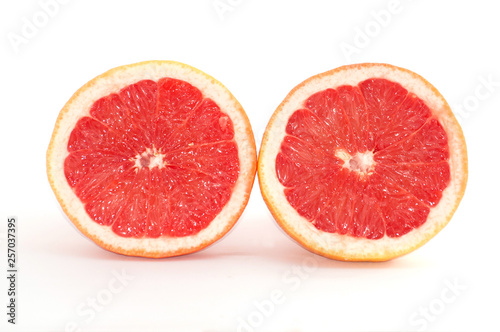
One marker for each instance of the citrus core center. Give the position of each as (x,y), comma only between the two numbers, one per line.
(149,158)
(361,162)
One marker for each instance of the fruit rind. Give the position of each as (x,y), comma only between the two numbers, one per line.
(112,81)
(344,247)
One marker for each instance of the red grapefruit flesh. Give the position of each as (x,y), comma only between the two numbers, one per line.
(365,162)
(154,159)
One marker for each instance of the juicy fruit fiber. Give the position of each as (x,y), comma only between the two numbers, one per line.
(365,162)
(173,179)
(153,159)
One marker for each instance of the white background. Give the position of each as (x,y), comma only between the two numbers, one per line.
(260,50)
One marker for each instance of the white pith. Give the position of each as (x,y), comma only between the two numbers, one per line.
(361,162)
(155,159)
(344,246)
(114,81)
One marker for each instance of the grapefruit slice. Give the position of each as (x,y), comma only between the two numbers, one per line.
(365,163)
(152,159)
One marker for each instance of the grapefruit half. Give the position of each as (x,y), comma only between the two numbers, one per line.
(152,159)
(364,162)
